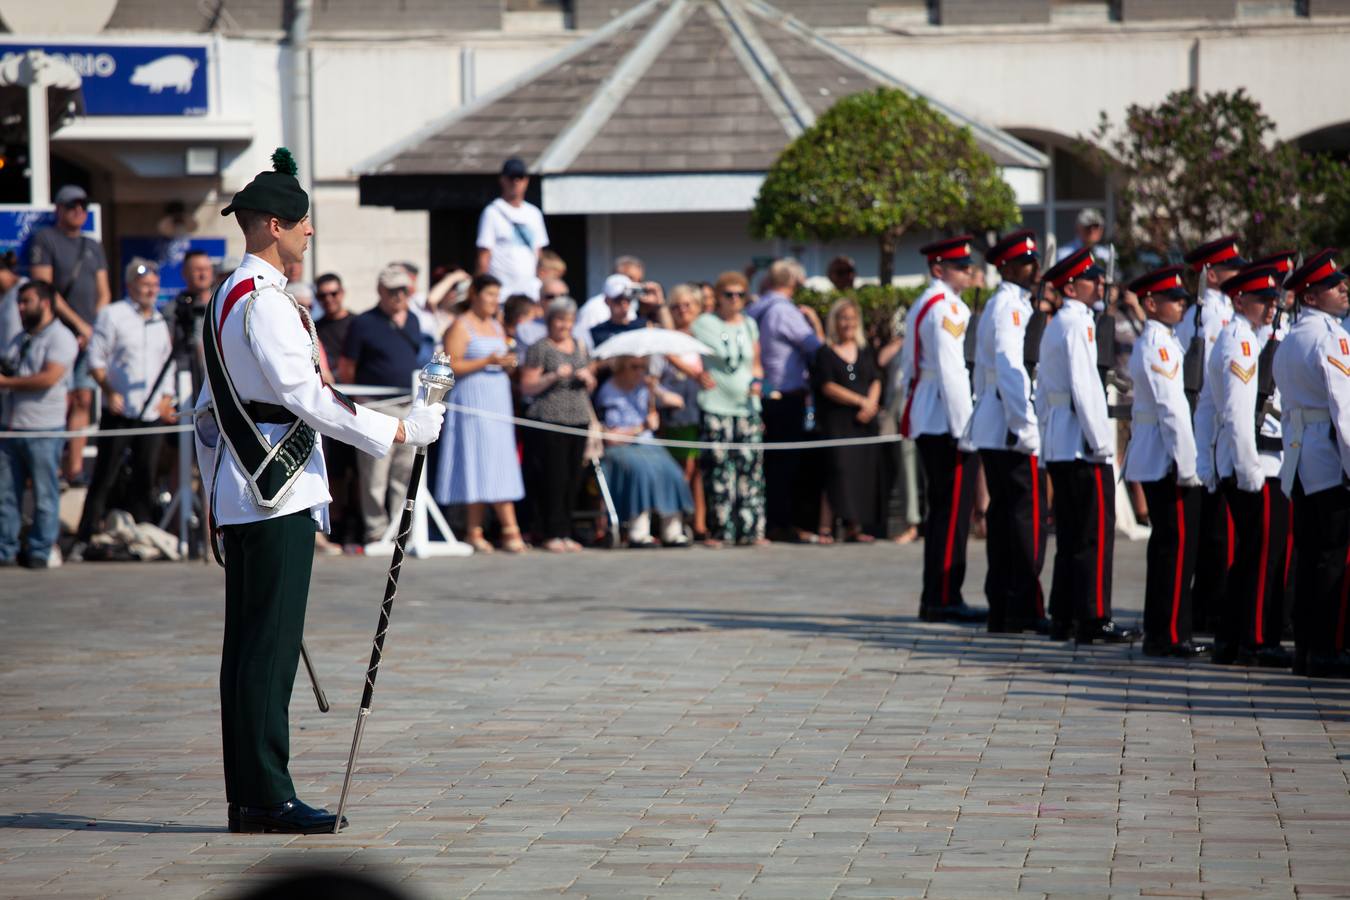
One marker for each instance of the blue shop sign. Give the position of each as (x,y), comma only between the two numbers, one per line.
(132,80)
(20,221)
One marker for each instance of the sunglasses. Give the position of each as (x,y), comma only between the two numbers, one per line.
(323,295)
(76,204)
(516,177)
(551,296)
(731,295)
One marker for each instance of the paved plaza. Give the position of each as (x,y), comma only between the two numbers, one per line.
(742,723)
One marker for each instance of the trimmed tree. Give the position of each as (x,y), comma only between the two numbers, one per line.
(878,165)
(1198,166)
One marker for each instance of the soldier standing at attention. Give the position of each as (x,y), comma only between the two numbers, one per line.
(1199,328)
(1161,457)
(1312,371)
(937,408)
(1077,439)
(258,415)
(1003,429)
(1247,457)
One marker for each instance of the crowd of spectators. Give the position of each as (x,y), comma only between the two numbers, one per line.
(583,445)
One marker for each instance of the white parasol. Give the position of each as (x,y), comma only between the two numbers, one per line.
(651,342)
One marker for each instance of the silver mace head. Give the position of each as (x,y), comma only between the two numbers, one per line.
(437,377)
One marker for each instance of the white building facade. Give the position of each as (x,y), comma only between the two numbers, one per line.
(377,77)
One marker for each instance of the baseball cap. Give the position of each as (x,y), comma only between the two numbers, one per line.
(394,276)
(514,168)
(70,193)
(617,285)
(1089,217)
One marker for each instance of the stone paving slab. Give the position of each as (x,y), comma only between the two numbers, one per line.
(746,723)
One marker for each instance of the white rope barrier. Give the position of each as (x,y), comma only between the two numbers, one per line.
(402,397)
(619,436)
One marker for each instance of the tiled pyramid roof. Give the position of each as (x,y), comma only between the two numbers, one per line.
(671,86)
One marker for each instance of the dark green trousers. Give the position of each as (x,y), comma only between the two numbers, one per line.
(267,566)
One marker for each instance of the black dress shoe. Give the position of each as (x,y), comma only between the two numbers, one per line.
(1300,666)
(1107,632)
(291,817)
(1061,631)
(952,612)
(1269,657)
(1327,665)
(1224,654)
(232,818)
(1183,650)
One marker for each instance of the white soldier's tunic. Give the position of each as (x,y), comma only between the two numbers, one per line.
(268,349)
(1215,312)
(1232,378)
(1161,438)
(934,364)
(1312,371)
(1003,390)
(1070,400)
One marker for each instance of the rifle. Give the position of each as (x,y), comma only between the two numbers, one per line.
(1193,363)
(1265,385)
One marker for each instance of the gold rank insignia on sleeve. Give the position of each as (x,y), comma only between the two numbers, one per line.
(1162,354)
(1342,367)
(1166,373)
(1244,374)
(1345,348)
(1017,317)
(955,329)
(1246,348)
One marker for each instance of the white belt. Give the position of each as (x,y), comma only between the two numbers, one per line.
(1058,398)
(1294,421)
(1144,418)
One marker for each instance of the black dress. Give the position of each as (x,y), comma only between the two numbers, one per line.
(852,474)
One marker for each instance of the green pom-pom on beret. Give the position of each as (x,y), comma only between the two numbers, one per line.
(283,162)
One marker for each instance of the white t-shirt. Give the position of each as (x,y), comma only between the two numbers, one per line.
(514,235)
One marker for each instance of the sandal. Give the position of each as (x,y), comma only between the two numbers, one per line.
(511,541)
(571,546)
(556,545)
(479,543)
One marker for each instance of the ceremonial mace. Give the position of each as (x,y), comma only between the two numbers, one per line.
(437,380)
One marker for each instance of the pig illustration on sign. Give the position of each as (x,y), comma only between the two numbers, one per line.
(175,71)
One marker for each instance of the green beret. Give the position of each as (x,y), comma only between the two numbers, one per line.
(277,193)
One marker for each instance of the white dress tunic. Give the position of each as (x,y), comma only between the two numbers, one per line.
(268,348)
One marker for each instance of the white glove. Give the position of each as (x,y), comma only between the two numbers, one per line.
(423,425)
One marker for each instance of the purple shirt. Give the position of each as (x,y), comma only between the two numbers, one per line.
(786,342)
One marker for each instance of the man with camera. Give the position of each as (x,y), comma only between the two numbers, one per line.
(130,357)
(186,312)
(35,370)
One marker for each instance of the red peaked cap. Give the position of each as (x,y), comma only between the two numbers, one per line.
(949,250)
(1166,282)
(1223,252)
(1015,246)
(1078,264)
(1264,281)
(1319,271)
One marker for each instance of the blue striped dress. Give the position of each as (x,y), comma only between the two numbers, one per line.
(478,455)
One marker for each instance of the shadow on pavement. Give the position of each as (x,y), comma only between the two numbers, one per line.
(1113,676)
(68,822)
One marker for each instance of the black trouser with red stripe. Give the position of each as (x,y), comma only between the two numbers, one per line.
(1321,533)
(1085,540)
(950,476)
(1174,514)
(1254,616)
(1213,559)
(1016,540)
